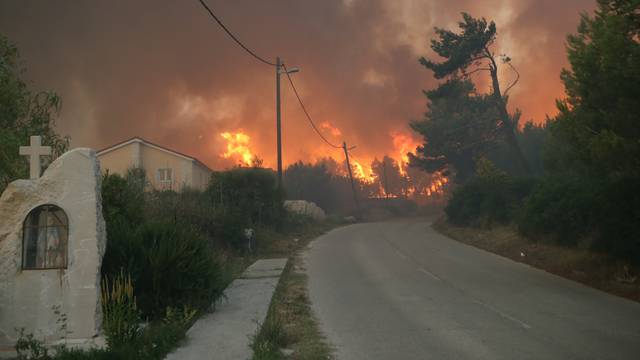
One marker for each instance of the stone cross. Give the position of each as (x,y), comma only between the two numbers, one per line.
(34,151)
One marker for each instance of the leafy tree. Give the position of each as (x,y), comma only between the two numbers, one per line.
(532,139)
(311,182)
(597,130)
(459,125)
(22,114)
(594,139)
(469,52)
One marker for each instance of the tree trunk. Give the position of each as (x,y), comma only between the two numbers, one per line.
(509,126)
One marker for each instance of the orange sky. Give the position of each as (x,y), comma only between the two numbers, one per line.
(163,71)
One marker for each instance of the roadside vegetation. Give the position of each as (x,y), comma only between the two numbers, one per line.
(171,254)
(570,202)
(290,330)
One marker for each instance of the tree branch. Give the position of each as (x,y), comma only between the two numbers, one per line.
(514,82)
(466,74)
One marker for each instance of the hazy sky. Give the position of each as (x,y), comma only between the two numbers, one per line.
(164,71)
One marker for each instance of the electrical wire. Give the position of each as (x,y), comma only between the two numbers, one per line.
(233,36)
(304,109)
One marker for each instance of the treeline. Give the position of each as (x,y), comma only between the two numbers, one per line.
(580,187)
(328,185)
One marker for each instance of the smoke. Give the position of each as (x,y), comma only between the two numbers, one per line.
(164,71)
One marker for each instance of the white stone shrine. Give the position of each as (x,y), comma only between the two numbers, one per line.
(52,240)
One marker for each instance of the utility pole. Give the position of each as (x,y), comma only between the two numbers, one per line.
(280,69)
(278,125)
(353,185)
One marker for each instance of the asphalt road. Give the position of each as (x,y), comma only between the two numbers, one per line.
(400,290)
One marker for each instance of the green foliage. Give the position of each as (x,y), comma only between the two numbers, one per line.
(311,182)
(170,263)
(597,130)
(533,140)
(460,123)
(560,209)
(323,183)
(29,348)
(120,313)
(270,338)
(22,114)
(461,50)
(162,239)
(488,198)
(245,197)
(153,343)
(593,153)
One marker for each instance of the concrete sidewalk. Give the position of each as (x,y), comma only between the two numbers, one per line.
(227,332)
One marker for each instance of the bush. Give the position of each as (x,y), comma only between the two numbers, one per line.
(618,219)
(487,198)
(244,197)
(560,209)
(120,314)
(172,265)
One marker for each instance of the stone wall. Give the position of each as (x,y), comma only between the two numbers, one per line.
(37,299)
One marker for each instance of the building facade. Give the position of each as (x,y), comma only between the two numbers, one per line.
(166,169)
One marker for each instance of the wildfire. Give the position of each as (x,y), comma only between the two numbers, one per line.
(362,172)
(238,147)
(403,144)
(437,184)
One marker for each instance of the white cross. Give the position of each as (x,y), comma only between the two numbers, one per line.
(34,151)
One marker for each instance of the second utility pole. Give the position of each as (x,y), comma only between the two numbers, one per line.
(278,131)
(353,186)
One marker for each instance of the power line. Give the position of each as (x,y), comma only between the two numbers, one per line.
(304,109)
(233,36)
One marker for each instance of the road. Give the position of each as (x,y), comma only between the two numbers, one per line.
(400,290)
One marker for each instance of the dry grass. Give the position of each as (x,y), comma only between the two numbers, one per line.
(290,311)
(593,269)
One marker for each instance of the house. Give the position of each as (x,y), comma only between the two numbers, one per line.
(166,169)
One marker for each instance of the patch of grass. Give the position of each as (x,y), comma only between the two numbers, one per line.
(290,322)
(597,270)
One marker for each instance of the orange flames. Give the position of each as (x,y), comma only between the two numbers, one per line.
(414,183)
(437,184)
(403,144)
(362,172)
(238,147)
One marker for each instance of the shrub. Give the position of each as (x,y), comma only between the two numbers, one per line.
(120,313)
(618,219)
(247,194)
(489,197)
(172,265)
(561,209)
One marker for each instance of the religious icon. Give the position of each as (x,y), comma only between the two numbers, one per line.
(45,238)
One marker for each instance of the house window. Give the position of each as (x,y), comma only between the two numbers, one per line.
(45,238)
(165,175)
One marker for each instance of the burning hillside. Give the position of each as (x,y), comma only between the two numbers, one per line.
(389,177)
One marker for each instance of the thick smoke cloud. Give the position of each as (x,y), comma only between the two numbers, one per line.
(162,70)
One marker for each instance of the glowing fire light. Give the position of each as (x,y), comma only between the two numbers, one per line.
(332,129)
(404,144)
(238,147)
(362,172)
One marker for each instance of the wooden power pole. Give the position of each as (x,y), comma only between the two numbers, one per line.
(278,124)
(353,185)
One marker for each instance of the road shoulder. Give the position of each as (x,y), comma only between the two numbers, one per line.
(589,268)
